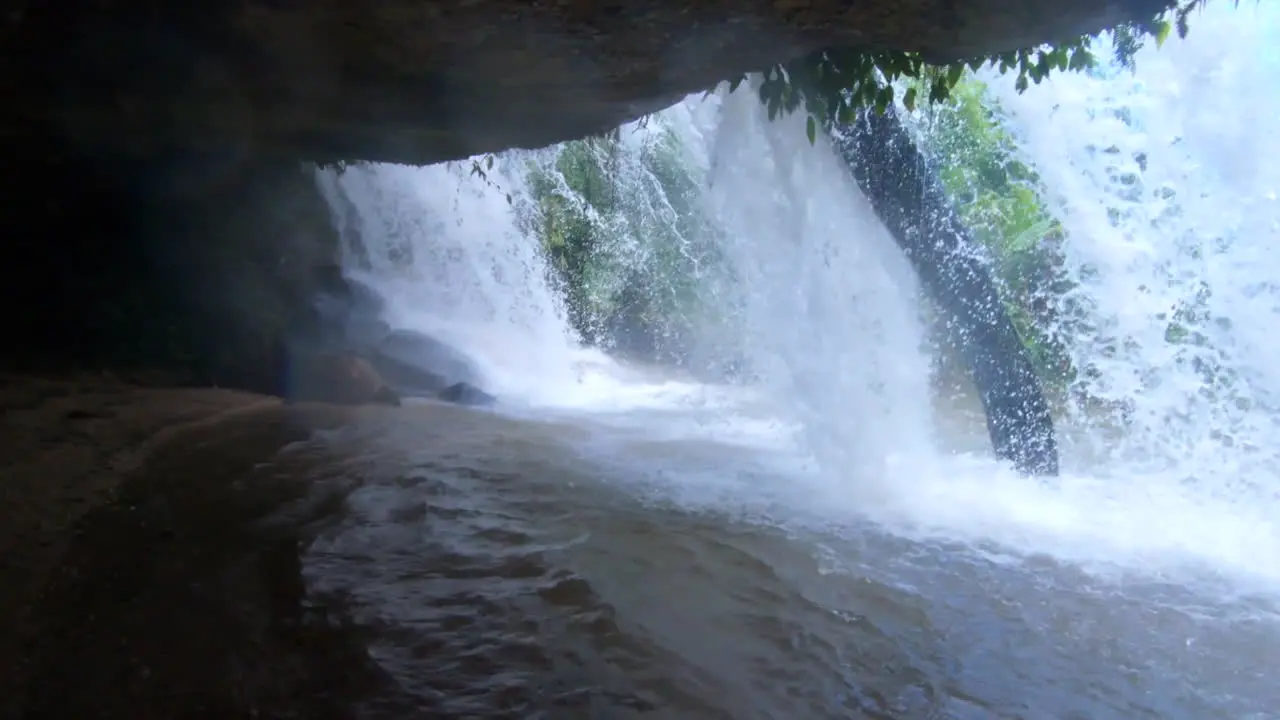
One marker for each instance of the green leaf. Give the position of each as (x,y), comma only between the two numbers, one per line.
(954,72)
(793,101)
(1161,33)
(909,99)
(811,127)
(1081,60)
(1021,84)
(912,66)
(938,91)
(884,98)
(1026,240)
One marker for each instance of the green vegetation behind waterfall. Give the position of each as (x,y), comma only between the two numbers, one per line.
(635,255)
(628,241)
(1001,200)
(636,258)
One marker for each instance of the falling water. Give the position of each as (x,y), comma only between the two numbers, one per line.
(1162,182)
(442,247)
(1156,556)
(1167,220)
(832,323)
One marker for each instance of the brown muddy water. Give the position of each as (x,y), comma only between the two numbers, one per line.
(435,562)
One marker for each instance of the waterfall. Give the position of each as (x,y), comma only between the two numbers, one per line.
(764,251)
(728,448)
(1163,182)
(443,248)
(832,325)
(819,302)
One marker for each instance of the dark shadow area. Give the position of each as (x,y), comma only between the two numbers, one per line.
(186,271)
(185,598)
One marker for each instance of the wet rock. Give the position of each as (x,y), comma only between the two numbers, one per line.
(350,314)
(424,81)
(409,380)
(466,394)
(386,396)
(339,378)
(417,364)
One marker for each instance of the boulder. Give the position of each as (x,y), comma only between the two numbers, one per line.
(351,314)
(339,378)
(466,394)
(417,364)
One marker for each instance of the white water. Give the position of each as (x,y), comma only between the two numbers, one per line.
(441,248)
(843,413)
(1197,464)
(1202,215)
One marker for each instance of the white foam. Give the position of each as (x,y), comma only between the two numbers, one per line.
(834,330)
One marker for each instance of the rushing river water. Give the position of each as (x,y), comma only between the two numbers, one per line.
(831,542)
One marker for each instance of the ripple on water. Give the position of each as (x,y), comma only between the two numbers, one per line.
(503,575)
(472,607)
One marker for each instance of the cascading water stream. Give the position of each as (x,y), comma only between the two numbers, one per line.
(1152,549)
(1162,181)
(827,306)
(830,302)
(434,243)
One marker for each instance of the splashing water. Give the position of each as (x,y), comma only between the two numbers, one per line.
(1172,216)
(1169,215)
(443,249)
(1144,580)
